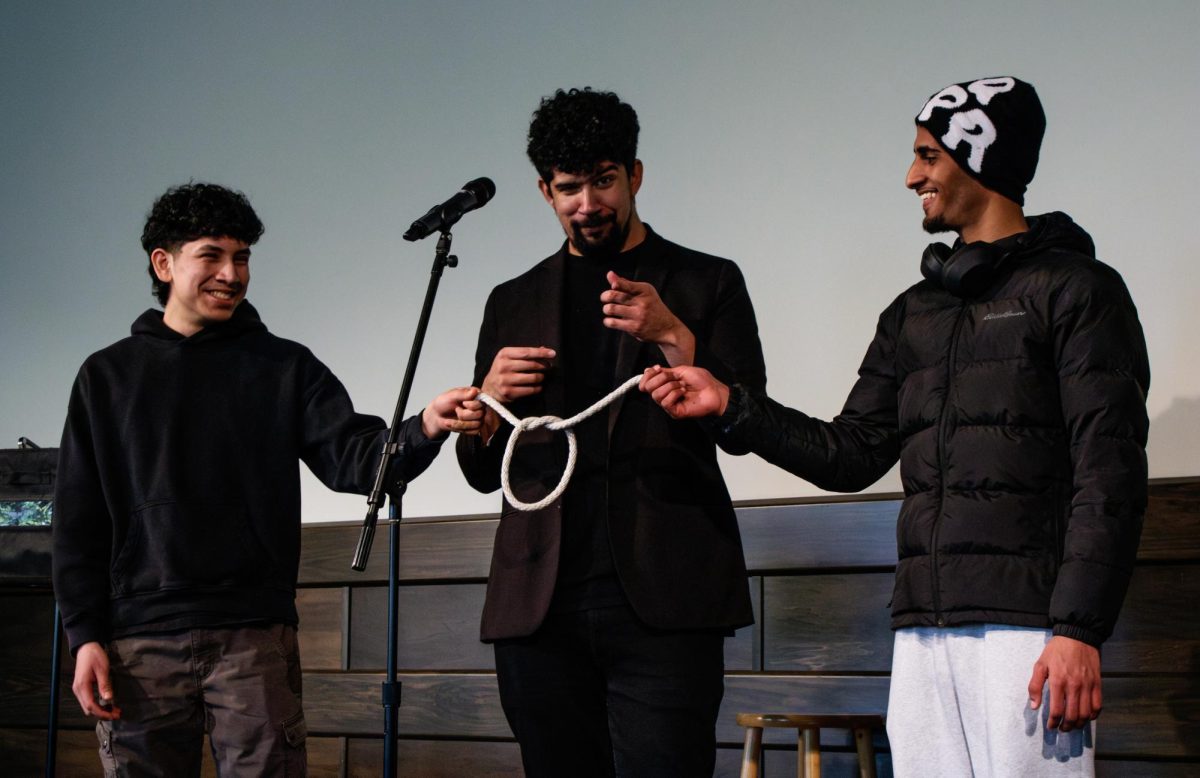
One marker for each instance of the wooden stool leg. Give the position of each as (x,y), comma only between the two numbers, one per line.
(752,752)
(866,753)
(808,762)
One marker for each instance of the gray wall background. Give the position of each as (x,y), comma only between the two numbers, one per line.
(775,133)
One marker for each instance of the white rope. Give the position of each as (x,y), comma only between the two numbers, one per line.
(555,423)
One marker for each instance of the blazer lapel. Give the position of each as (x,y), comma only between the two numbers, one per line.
(549,293)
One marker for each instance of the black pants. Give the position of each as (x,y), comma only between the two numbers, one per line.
(597,693)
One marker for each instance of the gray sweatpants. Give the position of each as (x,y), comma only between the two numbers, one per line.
(958,706)
(241,685)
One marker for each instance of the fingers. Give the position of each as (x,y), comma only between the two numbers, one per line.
(463,394)
(1073,703)
(652,378)
(625,285)
(1072,709)
(525,353)
(1058,706)
(91,671)
(517,371)
(468,418)
(454,410)
(673,401)
(659,383)
(1036,683)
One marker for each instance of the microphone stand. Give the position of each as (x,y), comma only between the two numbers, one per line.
(395,491)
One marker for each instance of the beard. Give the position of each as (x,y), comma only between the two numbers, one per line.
(936,224)
(608,244)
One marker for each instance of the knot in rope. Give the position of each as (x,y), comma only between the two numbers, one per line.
(555,424)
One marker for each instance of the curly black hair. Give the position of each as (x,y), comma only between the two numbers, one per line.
(575,130)
(196,210)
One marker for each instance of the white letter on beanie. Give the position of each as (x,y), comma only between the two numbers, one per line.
(986,88)
(952,96)
(976,129)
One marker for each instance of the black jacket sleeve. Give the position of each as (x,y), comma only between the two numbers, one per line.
(81,529)
(844,455)
(1104,375)
(342,447)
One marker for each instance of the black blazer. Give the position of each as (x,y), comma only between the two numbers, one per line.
(675,541)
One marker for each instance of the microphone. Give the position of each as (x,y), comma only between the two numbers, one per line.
(443,216)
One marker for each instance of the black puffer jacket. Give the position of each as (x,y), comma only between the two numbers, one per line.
(1020,423)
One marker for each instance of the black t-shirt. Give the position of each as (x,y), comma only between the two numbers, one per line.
(586,576)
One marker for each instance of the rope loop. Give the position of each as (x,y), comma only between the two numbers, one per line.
(555,424)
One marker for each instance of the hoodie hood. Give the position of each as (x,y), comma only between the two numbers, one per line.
(245,319)
(1055,230)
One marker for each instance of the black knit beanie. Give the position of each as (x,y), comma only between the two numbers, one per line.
(993,128)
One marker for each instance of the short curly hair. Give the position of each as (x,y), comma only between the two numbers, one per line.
(192,211)
(575,130)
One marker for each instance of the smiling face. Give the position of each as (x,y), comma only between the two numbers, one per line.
(951,199)
(208,278)
(596,209)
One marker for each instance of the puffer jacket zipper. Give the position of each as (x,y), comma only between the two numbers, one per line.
(942,469)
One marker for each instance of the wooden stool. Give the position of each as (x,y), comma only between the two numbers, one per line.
(809,736)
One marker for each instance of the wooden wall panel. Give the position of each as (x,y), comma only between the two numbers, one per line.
(436,759)
(821,578)
(23,753)
(322,627)
(432,551)
(827,623)
(1159,627)
(433,705)
(1172,529)
(743,651)
(841,623)
(1127,768)
(438,628)
(851,535)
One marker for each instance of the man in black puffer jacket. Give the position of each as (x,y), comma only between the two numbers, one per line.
(1011,385)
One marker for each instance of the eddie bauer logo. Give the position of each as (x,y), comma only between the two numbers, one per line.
(1005,315)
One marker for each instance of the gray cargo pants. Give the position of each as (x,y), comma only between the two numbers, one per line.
(241,685)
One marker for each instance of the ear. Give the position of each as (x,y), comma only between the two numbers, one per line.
(160,260)
(635,177)
(544,188)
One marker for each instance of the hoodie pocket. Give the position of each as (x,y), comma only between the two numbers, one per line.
(177,545)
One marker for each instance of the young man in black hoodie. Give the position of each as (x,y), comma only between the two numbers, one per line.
(1011,386)
(177,506)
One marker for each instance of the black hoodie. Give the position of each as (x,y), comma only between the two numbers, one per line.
(1018,416)
(177,502)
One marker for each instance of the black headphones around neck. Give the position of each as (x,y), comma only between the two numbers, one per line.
(965,271)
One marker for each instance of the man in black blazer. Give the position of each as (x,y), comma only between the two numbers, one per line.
(609,607)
